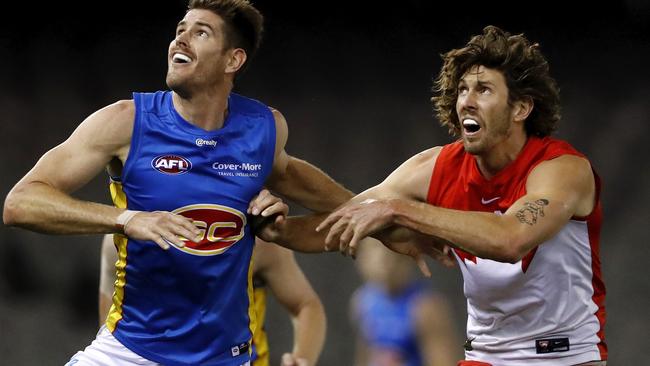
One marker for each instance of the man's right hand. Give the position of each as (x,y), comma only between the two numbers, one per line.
(268,214)
(162,227)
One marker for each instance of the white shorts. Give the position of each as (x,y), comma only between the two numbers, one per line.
(108,351)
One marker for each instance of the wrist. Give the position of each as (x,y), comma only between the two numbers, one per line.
(395,209)
(123,220)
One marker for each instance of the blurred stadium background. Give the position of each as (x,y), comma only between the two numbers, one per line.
(353,81)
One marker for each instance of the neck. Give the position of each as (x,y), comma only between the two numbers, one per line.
(502,154)
(207,110)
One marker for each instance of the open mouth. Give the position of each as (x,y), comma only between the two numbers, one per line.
(471,126)
(180,58)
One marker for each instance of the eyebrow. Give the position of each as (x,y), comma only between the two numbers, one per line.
(479,82)
(200,23)
(204,24)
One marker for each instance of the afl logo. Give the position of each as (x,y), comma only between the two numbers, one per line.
(221,227)
(171,164)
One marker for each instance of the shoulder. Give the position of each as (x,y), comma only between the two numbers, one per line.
(427,157)
(566,167)
(411,179)
(279,118)
(247,105)
(109,127)
(120,111)
(421,160)
(119,119)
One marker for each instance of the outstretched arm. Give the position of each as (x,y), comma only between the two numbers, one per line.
(556,190)
(107,277)
(409,181)
(42,200)
(278,267)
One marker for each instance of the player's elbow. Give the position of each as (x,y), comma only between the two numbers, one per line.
(313,306)
(15,211)
(11,212)
(514,249)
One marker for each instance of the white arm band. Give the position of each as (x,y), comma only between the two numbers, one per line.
(124,218)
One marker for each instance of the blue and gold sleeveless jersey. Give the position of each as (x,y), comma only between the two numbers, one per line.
(191,306)
(387,325)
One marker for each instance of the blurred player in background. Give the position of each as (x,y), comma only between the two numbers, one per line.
(399,320)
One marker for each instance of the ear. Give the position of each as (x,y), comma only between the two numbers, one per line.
(237,58)
(522,108)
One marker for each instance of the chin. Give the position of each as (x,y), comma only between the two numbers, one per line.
(473,148)
(178,86)
(172,80)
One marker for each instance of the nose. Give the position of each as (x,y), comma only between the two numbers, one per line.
(181,39)
(467,101)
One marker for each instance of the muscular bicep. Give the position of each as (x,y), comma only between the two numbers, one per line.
(557,190)
(103,136)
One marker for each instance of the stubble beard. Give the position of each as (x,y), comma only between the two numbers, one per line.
(178,85)
(499,132)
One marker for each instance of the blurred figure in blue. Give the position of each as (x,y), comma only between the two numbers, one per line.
(399,320)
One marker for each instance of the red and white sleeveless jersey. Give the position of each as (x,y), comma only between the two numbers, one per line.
(547,309)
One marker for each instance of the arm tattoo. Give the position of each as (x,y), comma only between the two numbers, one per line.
(531,210)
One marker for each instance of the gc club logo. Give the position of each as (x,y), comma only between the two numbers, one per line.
(221,227)
(171,164)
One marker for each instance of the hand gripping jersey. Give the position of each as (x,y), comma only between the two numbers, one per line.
(547,309)
(387,324)
(191,306)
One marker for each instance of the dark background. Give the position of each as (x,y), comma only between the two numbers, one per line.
(353,80)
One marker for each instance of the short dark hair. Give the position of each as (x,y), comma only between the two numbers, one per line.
(244,23)
(525,69)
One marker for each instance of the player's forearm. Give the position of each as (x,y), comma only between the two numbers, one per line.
(309,327)
(39,207)
(483,234)
(312,188)
(299,234)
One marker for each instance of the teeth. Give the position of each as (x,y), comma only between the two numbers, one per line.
(470,122)
(179,57)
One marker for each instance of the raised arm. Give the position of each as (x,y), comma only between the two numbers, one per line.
(278,267)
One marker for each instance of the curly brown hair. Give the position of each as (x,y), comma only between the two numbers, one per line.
(244,23)
(525,69)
